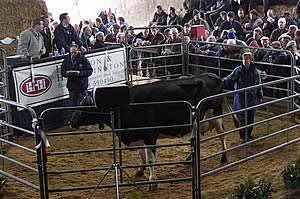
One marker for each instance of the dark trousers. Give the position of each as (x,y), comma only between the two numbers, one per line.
(246,118)
(75,98)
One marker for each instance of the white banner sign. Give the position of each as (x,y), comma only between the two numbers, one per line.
(42,83)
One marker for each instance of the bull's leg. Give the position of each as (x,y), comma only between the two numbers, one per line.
(219,128)
(141,169)
(224,147)
(203,127)
(150,159)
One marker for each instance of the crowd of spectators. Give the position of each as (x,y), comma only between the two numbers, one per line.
(243,27)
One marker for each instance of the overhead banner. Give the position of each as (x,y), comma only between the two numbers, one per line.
(42,83)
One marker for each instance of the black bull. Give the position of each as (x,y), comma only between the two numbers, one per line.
(190,89)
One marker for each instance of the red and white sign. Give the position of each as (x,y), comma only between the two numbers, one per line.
(39,86)
(48,86)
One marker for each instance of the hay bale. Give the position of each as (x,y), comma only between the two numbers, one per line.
(16,16)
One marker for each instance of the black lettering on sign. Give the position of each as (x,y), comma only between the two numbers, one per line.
(109,58)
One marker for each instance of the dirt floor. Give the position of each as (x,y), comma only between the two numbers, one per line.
(214,187)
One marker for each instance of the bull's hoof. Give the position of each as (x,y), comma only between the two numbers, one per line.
(223,159)
(153,187)
(139,173)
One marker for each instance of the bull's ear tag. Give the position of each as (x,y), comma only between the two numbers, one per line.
(112,96)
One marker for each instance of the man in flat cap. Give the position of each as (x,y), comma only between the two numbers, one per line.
(244,76)
(31,42)
(198,20)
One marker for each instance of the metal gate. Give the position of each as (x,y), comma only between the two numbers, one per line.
(159,61)
(99,171)
(296,85)
(284,116)
(4,94)
(10,133)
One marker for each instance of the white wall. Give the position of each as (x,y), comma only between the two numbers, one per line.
(136,12)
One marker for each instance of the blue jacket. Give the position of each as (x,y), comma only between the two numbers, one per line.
(241,78)
(77,82)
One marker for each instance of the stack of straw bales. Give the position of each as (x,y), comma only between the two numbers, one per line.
(16,16)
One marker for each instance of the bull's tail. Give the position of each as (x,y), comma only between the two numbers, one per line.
(236,120)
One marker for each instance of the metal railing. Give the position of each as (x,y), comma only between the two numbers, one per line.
(296,85)
(4,94)
(161,61)
(11,162)
(220,60)
(248,144)
(158,62)
(49,170)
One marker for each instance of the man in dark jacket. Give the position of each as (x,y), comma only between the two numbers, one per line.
(77,69)
(244,76)
(280,30)
(271,22)
(99,41)
(160,17)
(65,34)
(173,18)
(198,20)
(232,24)
(174,49)
(100,27)
(46,33)
(112,37)
(85,37)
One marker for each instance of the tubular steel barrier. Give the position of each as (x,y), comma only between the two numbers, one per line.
(291,125)
(10,163)
(281,85)
(4,94)
(52,172)
(297,87)
(221,59)
(156,60)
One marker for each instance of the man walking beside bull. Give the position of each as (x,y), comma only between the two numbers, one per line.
(243,76)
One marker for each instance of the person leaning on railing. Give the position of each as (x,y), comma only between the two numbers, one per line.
(65,35)
(112,37)
(275,69)
(265,44)
(235,49)
(232,24)
(173,50)
(99,43)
